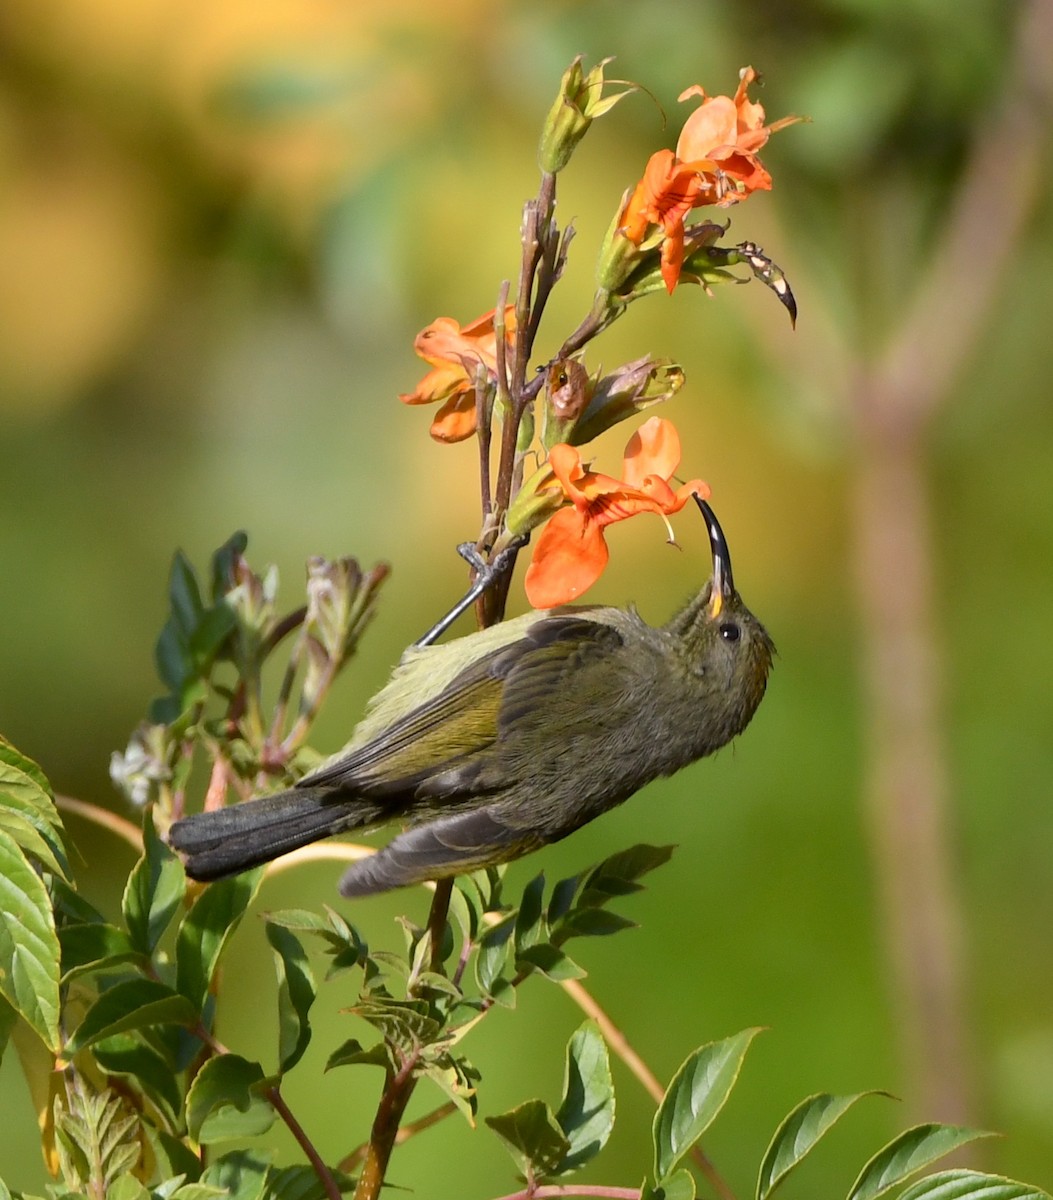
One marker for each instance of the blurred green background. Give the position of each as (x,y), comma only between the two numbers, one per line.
(221,225)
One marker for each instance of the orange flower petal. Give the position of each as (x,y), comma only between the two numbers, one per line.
(439,383)
(569,557)
(455,420)
(654,449)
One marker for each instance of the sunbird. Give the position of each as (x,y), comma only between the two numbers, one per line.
(495,744)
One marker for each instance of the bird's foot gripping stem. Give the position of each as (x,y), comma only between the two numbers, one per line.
(486,575)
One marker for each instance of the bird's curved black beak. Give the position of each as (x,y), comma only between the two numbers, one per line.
(723,581)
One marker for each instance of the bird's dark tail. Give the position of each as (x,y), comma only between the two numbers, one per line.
(233,839)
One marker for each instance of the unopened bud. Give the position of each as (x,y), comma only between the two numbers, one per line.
(579,102)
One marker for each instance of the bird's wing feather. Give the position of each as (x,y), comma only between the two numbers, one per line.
(447,846)
(456,728)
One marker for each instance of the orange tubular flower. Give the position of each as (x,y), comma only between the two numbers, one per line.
(455,355)
(715,163)
(572,551)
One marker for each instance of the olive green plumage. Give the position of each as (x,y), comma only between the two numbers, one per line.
(495,744)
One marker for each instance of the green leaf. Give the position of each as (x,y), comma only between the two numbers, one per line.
(126,1055)
(210,635)
(133,1004)
(224,562)
(154,890)
(562,898)
(127,1187)
(593,922)
(971,1185)
(172,658)
(24,801)
(225,1101)
(550,961)
(456,1078)
(530,922)
(493,954)
(342,941)
(618,875)
(586,1114)
(205,930)
(15,758)
(240,1173)
(92,947)
(8,1019)
(171,1156)
(797,1135)
(407,1024)
(680,1186)
(697,1093)
(296,993)
(184,595)
(532,1136)
(302,1183)
(352,1053)
(196,1191)
(907,1154)
(96,1136)
(29,947)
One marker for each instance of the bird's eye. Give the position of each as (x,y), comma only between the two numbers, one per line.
(730,632)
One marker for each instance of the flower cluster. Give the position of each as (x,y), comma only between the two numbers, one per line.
(715,163)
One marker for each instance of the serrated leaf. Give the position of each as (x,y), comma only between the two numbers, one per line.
(225,1101)
(97,1137)
(29,948)
(697,1093)
(405,1023)
(550,961)
(24,834)
(798,1134)
(23,793)
(586,1114)
(93,947)
(296,993)
(907,1154)
(206,929)
(14,757)
(532,1136)
(241,1173)
(154,891)
(132,1004)
(971,1185)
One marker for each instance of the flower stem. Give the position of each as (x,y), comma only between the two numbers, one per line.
(325,1176)
(399,1085)
(132,834)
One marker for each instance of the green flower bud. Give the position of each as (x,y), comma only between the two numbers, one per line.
(579,102)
